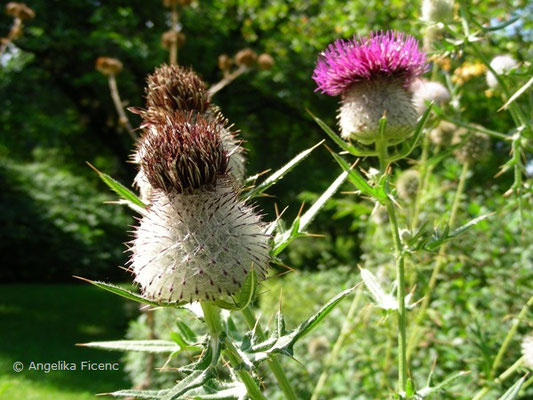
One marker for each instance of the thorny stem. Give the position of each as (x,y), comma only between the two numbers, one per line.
(509,337)
(345,330)
(226,80)
(123,119)
(508,372)
(381,148)
(212,320)
(441,256)
(272,361)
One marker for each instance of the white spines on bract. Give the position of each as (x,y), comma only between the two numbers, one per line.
(198,246)
(501,65)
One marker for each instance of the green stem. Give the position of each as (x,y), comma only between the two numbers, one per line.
(272,361)
(421,186)
(345,330)
(438,262)
(212,320)
(381,148)
(508,372)
(509,337)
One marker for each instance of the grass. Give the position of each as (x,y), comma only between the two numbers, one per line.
(42,323)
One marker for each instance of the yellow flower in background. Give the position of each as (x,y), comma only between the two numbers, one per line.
(468,71)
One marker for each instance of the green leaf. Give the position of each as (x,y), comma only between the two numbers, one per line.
(188,334)
(512,392)
(244,296)
(444,384)
(409,145)
(339,141)
(138,394)
(145,346)
(236,391)
(193,380)
(119,189)
(128,294)
(280,173)
(353,176)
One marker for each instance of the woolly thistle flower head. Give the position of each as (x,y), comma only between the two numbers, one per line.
(407,185)
(527,351)
(198,246)
(437,10)
(372,74)
(501,65)
(182,152)
(443,134)
(475,146)
(428,91)
(173,88)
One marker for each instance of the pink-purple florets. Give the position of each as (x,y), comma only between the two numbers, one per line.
(382,55)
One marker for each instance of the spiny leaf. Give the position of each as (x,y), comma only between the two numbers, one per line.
(423,393)
(279,174)
(128,294)
(118,188)
(146,346)
(138,394)
(512,392)
(409,145)
(382,299)
(193,380)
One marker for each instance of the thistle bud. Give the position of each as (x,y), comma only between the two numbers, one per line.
(475,147)
(224,62)
(19,10)
(379,214)
(179,153)
(265,61)
(437,11)
(443,134)
(427,91)
(198,246)
(170,37)
(501,65)
(172,88)
(407,185)
(245,57)
(108,66)
(371,74)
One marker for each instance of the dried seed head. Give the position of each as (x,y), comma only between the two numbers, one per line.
(365,103)
(199,246)
(173,88)
(245,57)
(475,147)
(108,66)
(407,185)
(443,134)
(501,64)
(224,62)
(527,351)
(170,37)
(265,61)
(19,10)
(182,152)
(437,10)
(427,91)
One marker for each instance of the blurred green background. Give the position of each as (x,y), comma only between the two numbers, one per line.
(56,114)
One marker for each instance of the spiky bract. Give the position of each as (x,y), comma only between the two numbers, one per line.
(182,152)
(198,246)
(389,55)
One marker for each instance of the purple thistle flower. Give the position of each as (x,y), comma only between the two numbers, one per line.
(372,75)
(383,55)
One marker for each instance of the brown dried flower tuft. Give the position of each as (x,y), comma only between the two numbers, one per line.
(245,57)
(265,61)
(182,152)
(170,37)
(173,88)
(108,66)
(19,10)
(224,62)
(171,3)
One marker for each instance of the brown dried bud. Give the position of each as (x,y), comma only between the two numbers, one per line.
(171,3)
(173,88)
(265,61)
(108,66)
(170,37)
(19,10)
(224,62)
(245,57)
(182,152)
